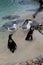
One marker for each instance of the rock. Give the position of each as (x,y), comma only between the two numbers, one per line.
(10,17)
(35,60)
(10,24)
(25,2)
(29,62)
(41,31)
(17,64)
(23,63)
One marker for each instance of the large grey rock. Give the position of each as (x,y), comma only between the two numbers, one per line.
(10,17)
(9,24)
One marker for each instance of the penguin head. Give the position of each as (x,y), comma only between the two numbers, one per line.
(10,36)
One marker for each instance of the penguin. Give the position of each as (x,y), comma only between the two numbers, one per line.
(11,44)
(30,34)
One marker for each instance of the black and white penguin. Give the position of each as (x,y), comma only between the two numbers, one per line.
(30,34)
(11,44)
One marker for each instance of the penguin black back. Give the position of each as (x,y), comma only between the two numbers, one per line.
(11,44)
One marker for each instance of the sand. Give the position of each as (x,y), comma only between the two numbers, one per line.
(25,49)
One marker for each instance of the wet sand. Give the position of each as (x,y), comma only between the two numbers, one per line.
(25,49)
